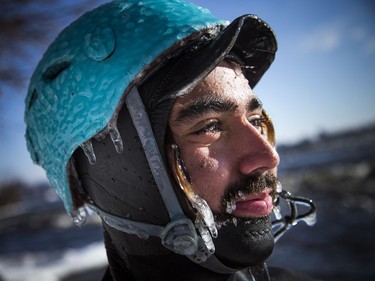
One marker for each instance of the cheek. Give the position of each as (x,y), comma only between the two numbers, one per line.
(209,173)
(202,163)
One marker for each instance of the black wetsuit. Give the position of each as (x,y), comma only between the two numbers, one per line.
(274,273)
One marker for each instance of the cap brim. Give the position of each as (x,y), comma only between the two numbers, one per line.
(247,38)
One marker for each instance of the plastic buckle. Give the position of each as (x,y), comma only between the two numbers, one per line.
(180,237)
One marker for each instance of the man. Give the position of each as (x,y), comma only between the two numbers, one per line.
(144,112)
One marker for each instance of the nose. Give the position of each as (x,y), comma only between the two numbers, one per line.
(255,153)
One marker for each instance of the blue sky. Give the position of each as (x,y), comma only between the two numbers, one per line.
(323,78)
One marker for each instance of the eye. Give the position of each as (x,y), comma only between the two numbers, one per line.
(211,127)
(264,125)
(260,123)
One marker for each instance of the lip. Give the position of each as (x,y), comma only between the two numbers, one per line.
(254,205)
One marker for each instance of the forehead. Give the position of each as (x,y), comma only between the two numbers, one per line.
(225,82)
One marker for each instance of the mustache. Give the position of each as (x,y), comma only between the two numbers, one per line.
(248,185)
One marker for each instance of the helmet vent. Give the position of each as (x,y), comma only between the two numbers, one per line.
(55,69)
(33,98)
(31,148)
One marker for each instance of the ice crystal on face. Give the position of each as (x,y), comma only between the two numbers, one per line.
(231,206)
(116,138)
(89,151)
(79,217)
(279,187)
(241,195)
(205,212)
(277,212)
(114,134)
(205,234)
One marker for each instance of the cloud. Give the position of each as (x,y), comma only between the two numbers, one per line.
(323,38)
(333,35)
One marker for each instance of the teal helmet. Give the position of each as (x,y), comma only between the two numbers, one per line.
(77,88)
(116,71)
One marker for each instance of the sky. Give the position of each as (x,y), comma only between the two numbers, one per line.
(322,80)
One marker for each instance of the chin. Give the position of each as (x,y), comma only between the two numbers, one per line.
(244,242)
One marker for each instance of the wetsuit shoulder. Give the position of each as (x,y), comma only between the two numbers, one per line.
(282,274)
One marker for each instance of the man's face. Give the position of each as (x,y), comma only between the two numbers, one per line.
(219,131)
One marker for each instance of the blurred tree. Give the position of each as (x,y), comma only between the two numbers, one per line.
(10,193)
(26,29)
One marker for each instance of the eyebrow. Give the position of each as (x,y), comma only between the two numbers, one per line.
(210,104)
(255,104)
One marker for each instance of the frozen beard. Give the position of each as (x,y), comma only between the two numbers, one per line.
(244,242)
(239,191)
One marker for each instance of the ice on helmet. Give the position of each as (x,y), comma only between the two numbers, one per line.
(77,88)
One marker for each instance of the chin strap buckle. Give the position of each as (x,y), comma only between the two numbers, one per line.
(180,237)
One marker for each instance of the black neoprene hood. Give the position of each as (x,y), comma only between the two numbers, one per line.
(124,185)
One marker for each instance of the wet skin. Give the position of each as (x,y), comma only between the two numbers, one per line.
(217,129)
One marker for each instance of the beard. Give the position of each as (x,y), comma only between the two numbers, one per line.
(244,242)
(247,185)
